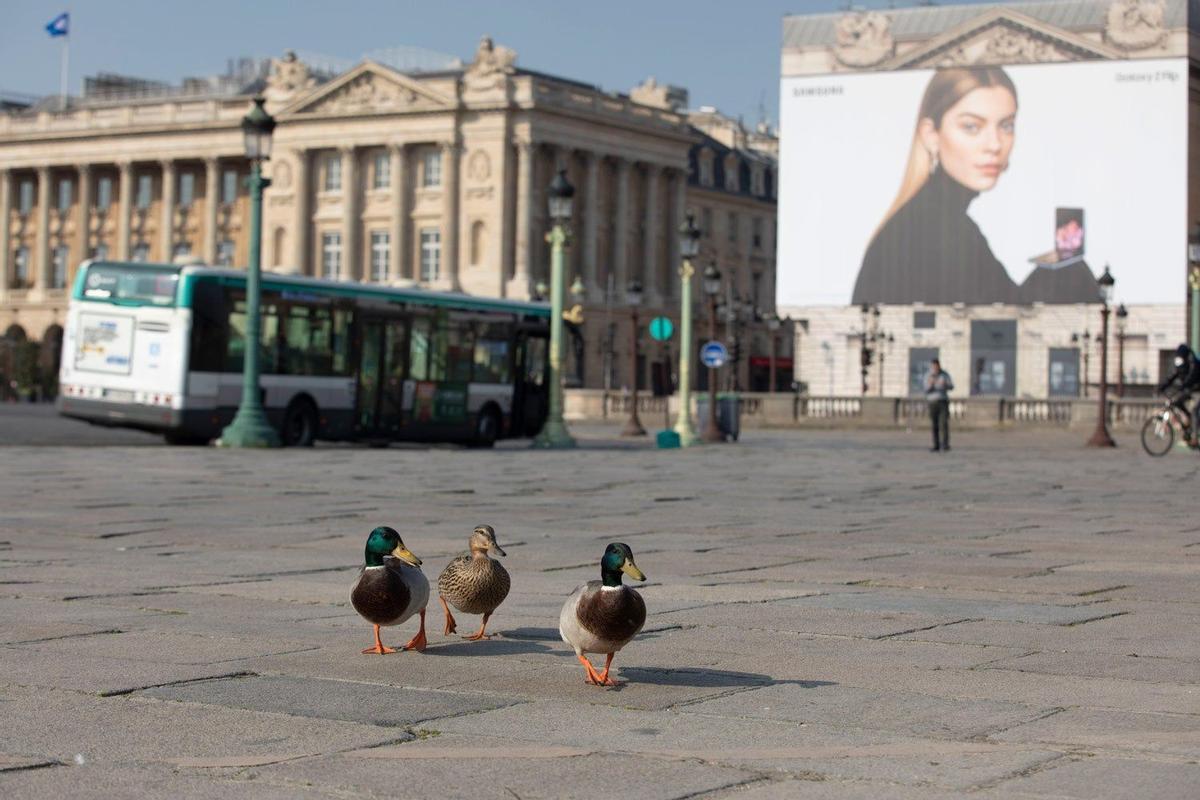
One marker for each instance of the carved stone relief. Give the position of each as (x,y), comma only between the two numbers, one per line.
(864,39)
(491,68)
(368,92)
(479,166)
(281,175)
(998,44)
(289,75)
(1136,24)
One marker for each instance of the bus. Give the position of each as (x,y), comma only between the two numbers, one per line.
(160,347)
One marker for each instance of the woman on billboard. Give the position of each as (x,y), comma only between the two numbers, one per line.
(927,249)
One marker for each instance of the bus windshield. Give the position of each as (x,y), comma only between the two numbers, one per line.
(131,285)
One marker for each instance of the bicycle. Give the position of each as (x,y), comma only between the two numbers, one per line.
(1159,431)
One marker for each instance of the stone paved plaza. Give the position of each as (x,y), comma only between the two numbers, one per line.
(832,615)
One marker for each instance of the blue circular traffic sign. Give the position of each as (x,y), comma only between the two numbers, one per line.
(713,354)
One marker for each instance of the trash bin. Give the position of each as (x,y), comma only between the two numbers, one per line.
(729,421)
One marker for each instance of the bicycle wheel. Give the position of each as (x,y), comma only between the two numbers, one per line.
(1158,434)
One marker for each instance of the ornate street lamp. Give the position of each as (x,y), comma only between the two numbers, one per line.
(1101,437)
(633,297)
(689,247)
(561,195)
(712,288)
(250,427)
(1122,314)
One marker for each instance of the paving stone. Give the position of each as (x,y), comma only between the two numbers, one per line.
(126,782)
(1172,734)
(325,699)
(1106,665)
(1108,777)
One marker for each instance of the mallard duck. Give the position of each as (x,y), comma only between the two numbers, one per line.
(603,616)
(473,582)
(390,588)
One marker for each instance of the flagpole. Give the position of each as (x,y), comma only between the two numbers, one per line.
(62,83)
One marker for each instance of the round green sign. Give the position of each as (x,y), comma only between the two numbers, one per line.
(661,329)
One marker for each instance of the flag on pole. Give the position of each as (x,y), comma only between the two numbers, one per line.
(60,25)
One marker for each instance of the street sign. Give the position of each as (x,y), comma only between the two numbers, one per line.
(661,329)
(713,354)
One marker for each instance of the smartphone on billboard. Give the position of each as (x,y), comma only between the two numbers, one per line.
(1068,234)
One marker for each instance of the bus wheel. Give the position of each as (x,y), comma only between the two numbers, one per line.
(299,424)
(487,428)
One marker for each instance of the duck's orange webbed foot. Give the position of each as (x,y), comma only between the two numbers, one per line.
(479,634)
(451,627)
(378,649)
(419,641)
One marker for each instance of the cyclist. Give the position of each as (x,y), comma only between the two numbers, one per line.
(1187,376)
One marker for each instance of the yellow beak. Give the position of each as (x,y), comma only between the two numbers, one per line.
(630,569)
(406,555)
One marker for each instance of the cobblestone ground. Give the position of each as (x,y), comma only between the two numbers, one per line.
(832,615)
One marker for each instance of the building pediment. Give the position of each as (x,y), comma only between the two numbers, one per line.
(1001,36)
(369,88)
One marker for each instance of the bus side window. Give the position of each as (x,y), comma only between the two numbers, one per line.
(343,321)
(491,354)
(460,344)
(210,322)
(268,334)
(307,341)
(418,351)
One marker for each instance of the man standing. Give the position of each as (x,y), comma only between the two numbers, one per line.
(937,392)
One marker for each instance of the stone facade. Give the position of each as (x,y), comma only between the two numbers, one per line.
(433,178)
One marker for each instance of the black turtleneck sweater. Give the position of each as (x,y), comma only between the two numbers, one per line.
(930,251)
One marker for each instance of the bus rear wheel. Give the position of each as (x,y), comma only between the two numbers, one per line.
(299,424)
(487,428)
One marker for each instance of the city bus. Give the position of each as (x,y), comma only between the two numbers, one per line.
(160,347)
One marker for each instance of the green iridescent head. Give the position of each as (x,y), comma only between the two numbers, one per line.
(618,559)
(384,541)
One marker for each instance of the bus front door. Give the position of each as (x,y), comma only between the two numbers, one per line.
(381,368)
(531,399)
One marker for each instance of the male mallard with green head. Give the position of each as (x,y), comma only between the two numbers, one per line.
(474,583)
(390,588)
(603,616)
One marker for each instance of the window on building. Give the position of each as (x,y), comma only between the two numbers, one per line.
(58,266)
(141,252)
(431,169)
(104,192)
(331,255)
(25,197)
(732,168)
(100,252)
(187,189)
(705,164)
(1063,380)
(66,190)
(706,223)
(381,252)
(757,232)
(431,254)
(225,250)
(145,191)
(181,249)
(381,172)
(20,278)
(333,173)
(732,223)
(926,320)
(229,186)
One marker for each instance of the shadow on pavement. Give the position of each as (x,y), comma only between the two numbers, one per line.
(699,677)
(498,645)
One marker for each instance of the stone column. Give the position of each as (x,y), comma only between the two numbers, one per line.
(651,270)
(620,259)
(302,217)
(42,257)
(167,219)
(450,226)
(5,201)
(678,211)
(124,207)
(350,222)
(212,201)
(591,220)
(523,251)
(83,233)
(399,266)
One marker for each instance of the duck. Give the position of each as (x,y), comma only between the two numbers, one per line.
(474,583)
(603,616)
(391,588)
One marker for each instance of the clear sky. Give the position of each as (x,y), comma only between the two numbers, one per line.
(725,53)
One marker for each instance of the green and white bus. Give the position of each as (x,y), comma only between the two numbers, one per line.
(160,347)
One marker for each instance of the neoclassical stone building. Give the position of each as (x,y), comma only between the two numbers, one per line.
(435,177)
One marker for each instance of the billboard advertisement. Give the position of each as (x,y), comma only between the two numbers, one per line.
(984,184)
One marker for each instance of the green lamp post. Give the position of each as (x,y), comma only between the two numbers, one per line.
(1100,437)
(554,433)
(1194,284)
(250,427)
(689,247)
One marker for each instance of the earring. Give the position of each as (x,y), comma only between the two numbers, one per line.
(933,162)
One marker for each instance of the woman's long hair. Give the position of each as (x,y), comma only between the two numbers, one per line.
(946,87)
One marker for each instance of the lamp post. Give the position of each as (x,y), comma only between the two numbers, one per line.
(633,296)
(1194,282)
(1101,437)
(250,427)
(1085,337)
(712,288)
(554,433)
(689,247)
(885,347)
(1122,313)
(773,323)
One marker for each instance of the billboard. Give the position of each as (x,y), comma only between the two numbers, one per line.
(973,184)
